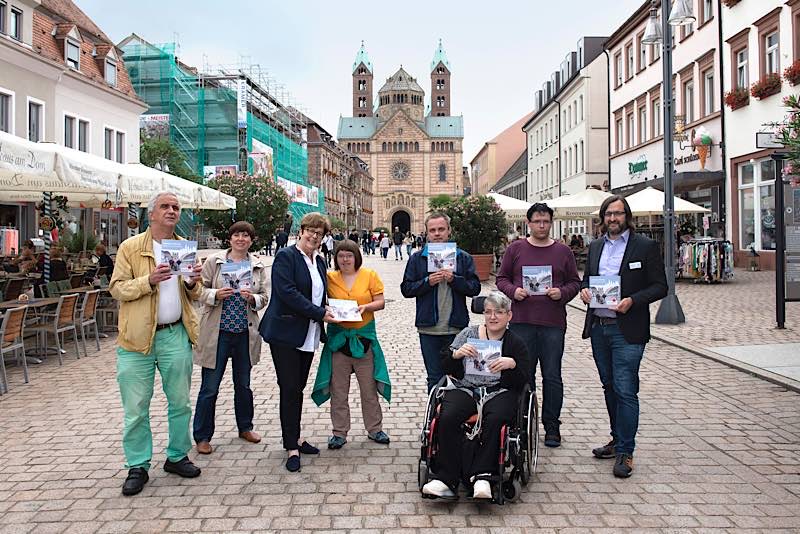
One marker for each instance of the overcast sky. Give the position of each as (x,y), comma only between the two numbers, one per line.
(500,51)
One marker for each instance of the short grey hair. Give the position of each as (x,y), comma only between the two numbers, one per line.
(437,215)
(499,300)
(151,204)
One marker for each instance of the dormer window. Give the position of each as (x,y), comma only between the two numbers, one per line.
(111,72)
(72,51)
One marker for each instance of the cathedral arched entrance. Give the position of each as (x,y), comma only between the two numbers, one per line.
(401,219)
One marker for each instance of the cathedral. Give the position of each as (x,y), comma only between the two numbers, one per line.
(414,150)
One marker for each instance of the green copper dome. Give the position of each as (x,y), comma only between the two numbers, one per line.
(440,57)
(362,57)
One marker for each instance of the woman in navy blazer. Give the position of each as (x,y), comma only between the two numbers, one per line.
(293,326)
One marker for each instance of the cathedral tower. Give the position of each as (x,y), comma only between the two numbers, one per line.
(362,84)
(440,83)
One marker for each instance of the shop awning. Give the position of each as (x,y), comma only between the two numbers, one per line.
(650,201)
(581,205)
(514,208)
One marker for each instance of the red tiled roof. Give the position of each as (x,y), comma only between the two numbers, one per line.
(52,47)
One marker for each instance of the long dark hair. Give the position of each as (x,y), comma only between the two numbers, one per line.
(628,214)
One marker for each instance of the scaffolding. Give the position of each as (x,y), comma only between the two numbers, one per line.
(204,115)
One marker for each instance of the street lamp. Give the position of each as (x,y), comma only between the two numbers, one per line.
(681,14)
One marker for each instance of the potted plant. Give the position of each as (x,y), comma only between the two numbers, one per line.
(737,98)
(767,86)
(792,73)
(478,225)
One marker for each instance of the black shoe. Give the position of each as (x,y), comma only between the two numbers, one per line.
(307,448)
(623,467)
(606,451)
(137,478)
(552,440)
(293,463)
(183,467)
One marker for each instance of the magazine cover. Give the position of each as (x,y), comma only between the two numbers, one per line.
(237,275)
(180,255)
(605,291)
(537,279)
(441,256)
(489,350)
(345,310)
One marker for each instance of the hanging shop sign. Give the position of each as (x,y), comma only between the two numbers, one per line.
(47,223)
(133,223)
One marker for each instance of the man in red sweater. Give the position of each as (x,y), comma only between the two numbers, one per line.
(539,274)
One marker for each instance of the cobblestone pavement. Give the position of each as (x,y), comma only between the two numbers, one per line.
(718,451)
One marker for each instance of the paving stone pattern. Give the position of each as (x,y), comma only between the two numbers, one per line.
(717,451)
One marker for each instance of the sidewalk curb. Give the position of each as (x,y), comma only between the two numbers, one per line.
(769,376)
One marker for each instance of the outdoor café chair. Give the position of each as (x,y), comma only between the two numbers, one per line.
(75,280)
(14,288)
(63,321)
(87,317)
(11,340)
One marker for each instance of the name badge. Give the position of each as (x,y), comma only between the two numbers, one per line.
(635,265)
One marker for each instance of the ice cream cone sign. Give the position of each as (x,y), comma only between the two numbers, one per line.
(702,143)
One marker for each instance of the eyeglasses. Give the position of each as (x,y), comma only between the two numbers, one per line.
(315,233)
(540,223)
(494,313)
(614,214)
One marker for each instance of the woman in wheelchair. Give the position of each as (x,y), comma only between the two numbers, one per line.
(470,453)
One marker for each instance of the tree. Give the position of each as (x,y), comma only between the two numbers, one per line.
(478,223)
(439,202)
(161,151)
(258,201)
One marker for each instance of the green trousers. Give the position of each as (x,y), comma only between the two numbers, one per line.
(171,354)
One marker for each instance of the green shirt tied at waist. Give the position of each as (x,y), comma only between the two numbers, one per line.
(337,337)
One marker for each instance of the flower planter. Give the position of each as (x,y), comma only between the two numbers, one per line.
(737,98)
(792,73)
(767,86)
(483,265)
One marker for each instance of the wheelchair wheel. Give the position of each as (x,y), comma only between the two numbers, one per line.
(511,490)
(422,473)
(529,439)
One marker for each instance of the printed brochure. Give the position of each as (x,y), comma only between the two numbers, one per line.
(180,255)
(345,310)
(441,256)
(237,275)
(537,279)
(488,351)
(605,291)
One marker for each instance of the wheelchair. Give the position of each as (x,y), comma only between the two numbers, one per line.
(519,446)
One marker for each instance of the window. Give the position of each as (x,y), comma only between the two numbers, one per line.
(2,17)
(772,61)
(642,53)
(569,162)
(618,69)
(655,120)
(687,30)
(629,65)
(15,24)
(580,108)
(6,111)
(69,131)
(35,121)
(581,157)
(688,101)
(111,72)
(742,75)
(708,10)
(72,50)
(630,126)
(618,126)
(442,172)
(708,92)
(642,124)
(655,52)
(757,205)
(109,143)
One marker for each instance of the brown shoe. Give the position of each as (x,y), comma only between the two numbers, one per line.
(606,451)
(250,436)
(204,447)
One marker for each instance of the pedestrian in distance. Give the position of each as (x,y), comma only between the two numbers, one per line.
(384,241)
(441,302)
(397,239)
(540,317)
(619,334)
(229,330)
(293,325)
(327,248)
(157,328)
(408,241)
(353,348)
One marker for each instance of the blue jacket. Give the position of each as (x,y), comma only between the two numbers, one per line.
(415,284)
(290,309)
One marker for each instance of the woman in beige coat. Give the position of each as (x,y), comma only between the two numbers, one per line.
(229,329)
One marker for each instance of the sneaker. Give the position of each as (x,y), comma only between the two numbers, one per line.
(437,488)
(307,448)
(606,451)
(137,478)
(482,490)
(623,467)
(293,463)
(552,440)
(379,437)
(183,467)
(336,442)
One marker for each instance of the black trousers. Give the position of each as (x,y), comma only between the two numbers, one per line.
(292,367)
(459,458)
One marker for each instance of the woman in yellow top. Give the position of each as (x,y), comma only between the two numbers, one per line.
(353,347)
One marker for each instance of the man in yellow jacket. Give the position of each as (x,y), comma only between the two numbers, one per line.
(157,328)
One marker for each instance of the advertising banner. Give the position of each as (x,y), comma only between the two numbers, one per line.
(241,103)
(299,193)
(154,126)
(262,160)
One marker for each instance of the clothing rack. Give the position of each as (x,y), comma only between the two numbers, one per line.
(706,259)
(9,241)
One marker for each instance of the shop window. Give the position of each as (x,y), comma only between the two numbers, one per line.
(757,205)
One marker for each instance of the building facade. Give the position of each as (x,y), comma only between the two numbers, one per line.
(413,154)
(761,39)
(63,81)
(496,156)
(343,176)
(636,112)
(514,183)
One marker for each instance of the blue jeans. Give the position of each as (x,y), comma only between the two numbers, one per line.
(408,250)
(398,251)
(545,347)
(618,366)
(431,347)
(237,347)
